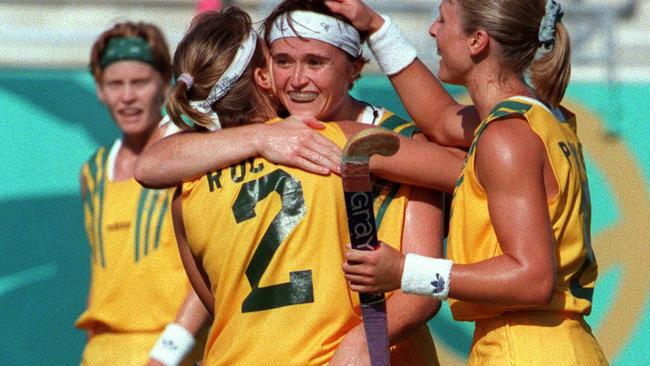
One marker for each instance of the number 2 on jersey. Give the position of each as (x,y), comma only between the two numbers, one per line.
(299,289)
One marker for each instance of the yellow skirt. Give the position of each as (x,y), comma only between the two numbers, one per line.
(535,338)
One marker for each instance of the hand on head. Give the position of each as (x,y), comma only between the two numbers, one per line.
(359,14)
(374,271)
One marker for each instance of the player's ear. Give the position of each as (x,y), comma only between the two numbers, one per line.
(263,79)
(478,42)
(357,67)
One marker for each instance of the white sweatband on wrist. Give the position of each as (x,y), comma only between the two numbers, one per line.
(391,49)
(426,276)
(174,344)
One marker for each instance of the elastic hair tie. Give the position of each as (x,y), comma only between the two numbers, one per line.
(187,79)
(554,13)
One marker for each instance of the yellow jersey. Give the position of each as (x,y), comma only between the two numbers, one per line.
(471,234)
(137,279)
(271,241)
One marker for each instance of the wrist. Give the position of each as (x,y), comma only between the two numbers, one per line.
(173,345)
(376,22)
(391,49)
(258,133)
(401,267)
(426,276)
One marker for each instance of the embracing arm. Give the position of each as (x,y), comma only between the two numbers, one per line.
(406,313)
(432,108)
(417,162)
(189,154)
(421,163)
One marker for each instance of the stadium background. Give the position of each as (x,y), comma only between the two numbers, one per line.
(51,123)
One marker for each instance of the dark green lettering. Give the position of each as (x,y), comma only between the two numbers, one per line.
(233,172)
(214,179)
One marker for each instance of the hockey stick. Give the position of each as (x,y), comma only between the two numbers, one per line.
(363,229)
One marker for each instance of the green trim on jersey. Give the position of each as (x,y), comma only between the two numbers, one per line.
(148,198)
(501,110)
(506,108)
(97,171)
(399,125)
(405,128)
(144,193)
(161,217)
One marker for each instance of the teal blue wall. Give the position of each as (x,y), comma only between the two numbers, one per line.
(51,122)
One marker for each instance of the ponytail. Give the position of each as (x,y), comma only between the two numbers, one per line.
(551,72)
(201,58)
(181,113)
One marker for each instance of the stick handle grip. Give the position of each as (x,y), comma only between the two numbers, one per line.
(363,230)
(363,236)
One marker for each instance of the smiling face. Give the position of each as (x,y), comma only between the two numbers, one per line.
(452,43)
(133,92)
(312,77)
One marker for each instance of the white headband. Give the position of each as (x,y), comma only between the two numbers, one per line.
(227,80)
(307,24)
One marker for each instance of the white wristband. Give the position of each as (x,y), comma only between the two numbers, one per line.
(426,276)
(391,49)
(174,344)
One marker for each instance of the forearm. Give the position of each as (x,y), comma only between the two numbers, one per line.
(501,280)
(432,108)
(187,155)
(417,162)
(421,164)
(178,337)
(422,234)
(407,313)
(192,315)
(425,99)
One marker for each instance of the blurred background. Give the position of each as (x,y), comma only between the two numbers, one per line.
(52,122)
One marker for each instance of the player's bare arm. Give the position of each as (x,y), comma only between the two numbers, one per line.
(417,162)
(511,165)
(182,156)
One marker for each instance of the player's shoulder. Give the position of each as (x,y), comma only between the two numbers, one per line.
(96,162)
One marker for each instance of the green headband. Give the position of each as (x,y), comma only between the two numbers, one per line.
(126,48)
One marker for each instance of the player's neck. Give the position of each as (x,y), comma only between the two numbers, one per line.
(132,146)
(491,90)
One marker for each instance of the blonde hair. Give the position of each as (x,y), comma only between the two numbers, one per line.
(514,25)
(205,52)
(148,32)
